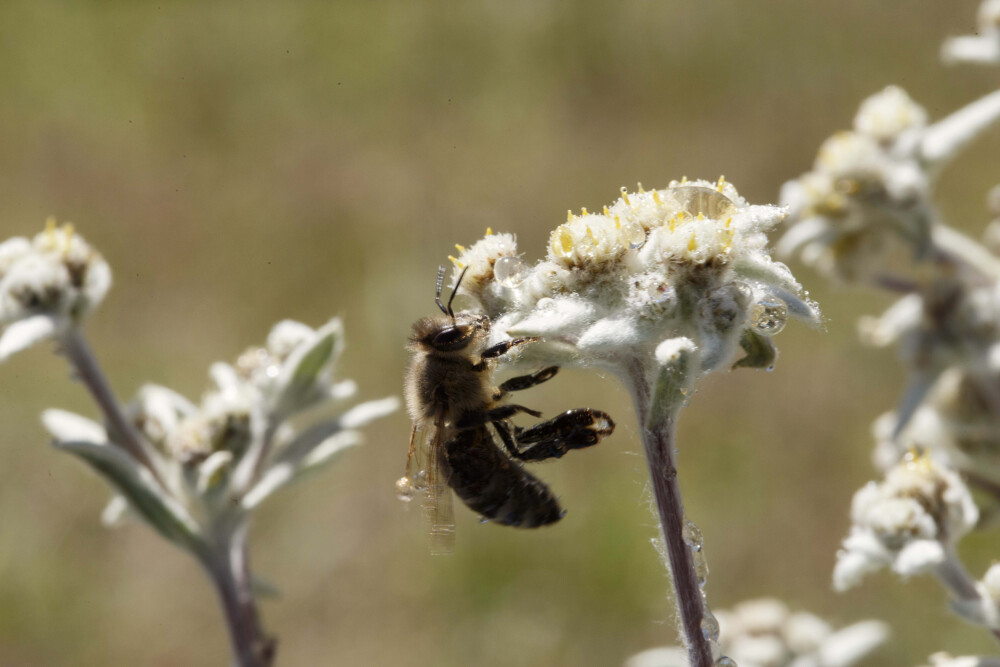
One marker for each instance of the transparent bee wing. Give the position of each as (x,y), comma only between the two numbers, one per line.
(438,508)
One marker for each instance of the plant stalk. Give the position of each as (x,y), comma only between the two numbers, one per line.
(658,441)
(89,371)
(228,568)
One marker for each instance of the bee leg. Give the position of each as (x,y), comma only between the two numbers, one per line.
(503,430)
(499,350)
(477,419)
(527,381)
(573,429)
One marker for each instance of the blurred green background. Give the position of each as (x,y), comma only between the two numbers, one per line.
(242,162)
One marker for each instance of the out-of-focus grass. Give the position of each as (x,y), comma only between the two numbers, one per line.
(239,163)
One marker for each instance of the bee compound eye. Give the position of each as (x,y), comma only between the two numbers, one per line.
(451,336)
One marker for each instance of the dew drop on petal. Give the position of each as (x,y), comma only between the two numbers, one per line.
(692,537)
(709,626)
(769,316)
(693,200)
(510,271)
(634,234)
(725,661)
(405,489)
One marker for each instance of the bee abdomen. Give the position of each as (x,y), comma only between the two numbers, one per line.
(496,487)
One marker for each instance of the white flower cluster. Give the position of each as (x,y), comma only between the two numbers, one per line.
(764,633)
(686,262)
(46,284)
(982,48)
(868,197)
(221,458)
(909,522)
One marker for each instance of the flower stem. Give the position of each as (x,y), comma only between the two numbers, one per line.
(658,440)
(228,568)
(88,370)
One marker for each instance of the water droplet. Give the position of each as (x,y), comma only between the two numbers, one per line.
(768,316)
(634,234)
(405,489)
(483,519)
(700,567)
(725,661)
(420,480)
(510,271)
(586,247)
(709,626)
(692,537)
(694,200)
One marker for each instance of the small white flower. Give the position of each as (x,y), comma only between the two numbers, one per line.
(908,522)
(46,284)
(886,115)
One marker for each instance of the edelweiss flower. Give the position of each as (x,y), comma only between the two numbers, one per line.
(223,457)
(869,193)
(909,522)
(982,48)
(764,633)
(46,284)
(688,262)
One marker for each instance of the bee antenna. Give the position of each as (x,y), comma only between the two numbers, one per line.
(437,290)
(455,291)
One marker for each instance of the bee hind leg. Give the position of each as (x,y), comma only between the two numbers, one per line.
(573,429)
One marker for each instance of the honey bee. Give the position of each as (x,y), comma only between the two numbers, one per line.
(452,399)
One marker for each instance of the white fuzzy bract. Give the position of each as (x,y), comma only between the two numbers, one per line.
(46,284)
(909,522)
(983,48)
(765,633)
(688,261)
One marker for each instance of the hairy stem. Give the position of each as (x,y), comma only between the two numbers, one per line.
(229,570)
(658,440)
(88,370)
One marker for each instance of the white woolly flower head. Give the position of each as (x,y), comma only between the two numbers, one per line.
(868,196)
(886,115)
(50,282)
(908,522)
(765,633)
(689,261)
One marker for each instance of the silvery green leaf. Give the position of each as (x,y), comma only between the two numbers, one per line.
(134,482)
(297,381)
(916,391)
(286,470)
(945,138)
(303,444)
(676,357)
(760,351)
(799,308)
(211,469)
(63,425)
(369,411)
(22,334)
(262,588)
(113,514)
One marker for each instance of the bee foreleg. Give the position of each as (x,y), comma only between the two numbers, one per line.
(501,349)
(477,419)
(527,381)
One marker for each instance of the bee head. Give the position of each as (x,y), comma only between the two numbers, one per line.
(451,333)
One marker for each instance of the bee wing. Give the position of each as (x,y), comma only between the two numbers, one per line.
(438,508)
